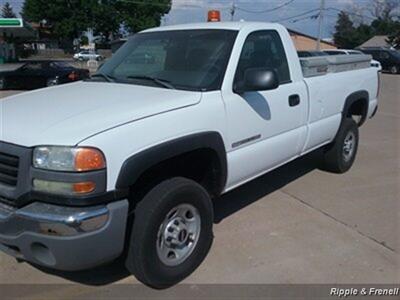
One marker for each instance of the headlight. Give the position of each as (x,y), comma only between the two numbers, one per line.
(69,159)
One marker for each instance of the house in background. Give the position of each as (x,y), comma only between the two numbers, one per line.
(304,41)
(376,41)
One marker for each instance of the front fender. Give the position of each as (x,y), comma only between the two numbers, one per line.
(137,164)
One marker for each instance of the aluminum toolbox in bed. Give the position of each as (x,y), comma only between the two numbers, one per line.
(321,65)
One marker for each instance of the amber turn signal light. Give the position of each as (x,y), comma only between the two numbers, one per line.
(84,187)
(89,159)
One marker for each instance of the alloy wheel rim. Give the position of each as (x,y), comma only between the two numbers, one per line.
(178,234)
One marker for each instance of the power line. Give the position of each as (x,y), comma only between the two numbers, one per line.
(350,13)
(296,16)
(312,17)
(266,10)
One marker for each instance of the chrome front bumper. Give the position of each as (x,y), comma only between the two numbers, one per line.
(50,219)
(65,238)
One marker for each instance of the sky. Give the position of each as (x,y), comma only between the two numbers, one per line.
(187,11)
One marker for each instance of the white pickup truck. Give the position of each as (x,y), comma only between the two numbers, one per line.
(129,162)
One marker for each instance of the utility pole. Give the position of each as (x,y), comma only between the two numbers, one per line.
(320,24)
(233,10)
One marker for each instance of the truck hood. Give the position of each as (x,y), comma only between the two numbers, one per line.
(68,114)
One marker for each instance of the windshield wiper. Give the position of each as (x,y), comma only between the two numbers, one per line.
(159,81)
(105,76)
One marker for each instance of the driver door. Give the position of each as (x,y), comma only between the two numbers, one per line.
(265,128)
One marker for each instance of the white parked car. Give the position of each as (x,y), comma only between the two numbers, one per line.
(374,63)
(87,55)
(177,117)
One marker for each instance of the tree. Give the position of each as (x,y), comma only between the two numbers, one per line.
(344,31)
(68,19)
(138,16)
(7,11)
(384,9)
(348,36)
(394,37)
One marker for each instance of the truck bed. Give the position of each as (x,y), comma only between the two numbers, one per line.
(321,65)
(327,93)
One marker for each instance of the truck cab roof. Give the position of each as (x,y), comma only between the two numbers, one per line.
(216,25)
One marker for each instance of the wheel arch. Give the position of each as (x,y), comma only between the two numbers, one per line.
(357,104)
(207,143)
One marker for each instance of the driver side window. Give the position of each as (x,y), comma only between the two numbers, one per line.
(263,49)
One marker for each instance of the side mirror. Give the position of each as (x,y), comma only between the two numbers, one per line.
(257,79)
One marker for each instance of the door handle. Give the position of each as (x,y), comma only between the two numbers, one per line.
(294,100)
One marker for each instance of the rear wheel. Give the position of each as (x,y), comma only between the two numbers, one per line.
(2,83)
(340,155)
(394,69)
(171,234)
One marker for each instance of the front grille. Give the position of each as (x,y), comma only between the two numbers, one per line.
(9,165)
(15,178)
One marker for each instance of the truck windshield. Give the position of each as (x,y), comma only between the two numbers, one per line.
(193,60)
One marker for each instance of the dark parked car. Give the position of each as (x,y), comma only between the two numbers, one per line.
(311,53)
(389,59)
(39,74)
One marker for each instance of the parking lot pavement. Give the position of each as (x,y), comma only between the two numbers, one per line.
(297,224)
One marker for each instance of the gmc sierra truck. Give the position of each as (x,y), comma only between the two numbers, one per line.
(127,163)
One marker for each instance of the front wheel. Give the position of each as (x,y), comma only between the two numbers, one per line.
(340,155)
(171,234)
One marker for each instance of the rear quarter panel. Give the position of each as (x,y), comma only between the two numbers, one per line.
(328,94)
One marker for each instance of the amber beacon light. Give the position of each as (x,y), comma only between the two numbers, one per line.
(214,16)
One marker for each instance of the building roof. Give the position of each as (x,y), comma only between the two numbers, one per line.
(295,32)
(376,41)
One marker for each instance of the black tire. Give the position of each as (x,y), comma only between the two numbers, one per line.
(394,69)
(143,260)
(337,158)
